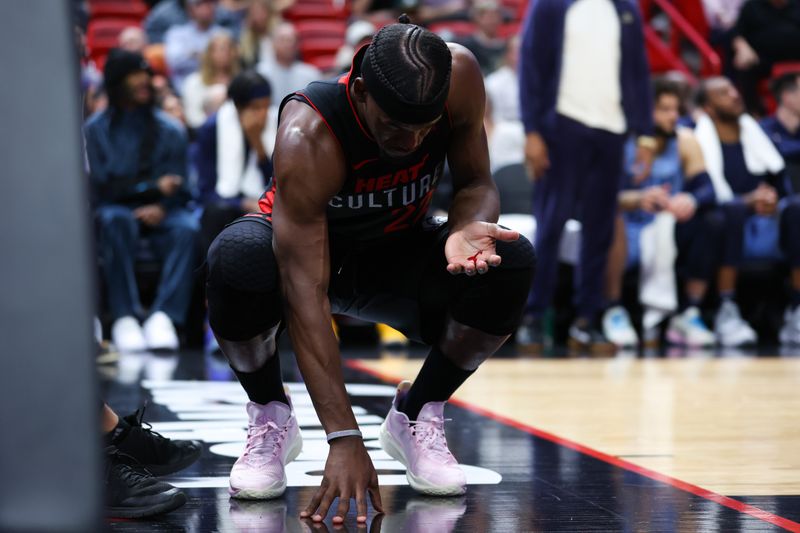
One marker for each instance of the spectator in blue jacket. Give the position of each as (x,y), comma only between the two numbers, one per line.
(584,85)
(232,155)
(137,165)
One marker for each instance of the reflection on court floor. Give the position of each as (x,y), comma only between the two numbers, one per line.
(521,478)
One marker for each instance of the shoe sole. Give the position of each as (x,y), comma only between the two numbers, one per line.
(749,342)
(275,491)
(165,470)
(390,446)
(177,500)
(679,340)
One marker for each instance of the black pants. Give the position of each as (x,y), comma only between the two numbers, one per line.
(699,241)
(402,282)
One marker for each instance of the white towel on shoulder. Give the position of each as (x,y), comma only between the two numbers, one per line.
(234,175)
(657,288)
(760,155)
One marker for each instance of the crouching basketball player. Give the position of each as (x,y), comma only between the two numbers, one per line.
(343,230)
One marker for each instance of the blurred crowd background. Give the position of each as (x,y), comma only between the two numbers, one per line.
(700,249)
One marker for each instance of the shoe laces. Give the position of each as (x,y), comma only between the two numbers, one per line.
(430,435)
(130,470)
(136,420)
(264,441)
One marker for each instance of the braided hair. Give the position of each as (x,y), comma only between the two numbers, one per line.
(407,69)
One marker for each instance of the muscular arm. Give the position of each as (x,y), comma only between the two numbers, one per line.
(309,168)
(475,193)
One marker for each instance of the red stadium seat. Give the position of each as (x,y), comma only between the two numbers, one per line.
(302,11)
(320,28)
(509,30)
(786,67)
(103,34)
(131,9)
(311,49)
(325,63)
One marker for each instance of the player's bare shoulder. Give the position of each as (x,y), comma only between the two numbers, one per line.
(306,147)
(301,126)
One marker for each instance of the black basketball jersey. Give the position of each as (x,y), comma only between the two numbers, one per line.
(379,196)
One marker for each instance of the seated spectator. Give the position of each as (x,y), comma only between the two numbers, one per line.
(767,32)
(133,39)
(255,44)
(784,130)
(169,13)
(287,73)
(502,85)
(671,214)
(185,44)
(747,172)
(359,33)
(232,158)
(487,46)
(137,167)
(218,66)
(784,126)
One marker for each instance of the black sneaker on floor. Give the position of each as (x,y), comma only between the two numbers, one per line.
(585,337)
(159,455)
(131,492)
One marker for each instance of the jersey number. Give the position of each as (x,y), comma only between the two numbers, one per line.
(405,215)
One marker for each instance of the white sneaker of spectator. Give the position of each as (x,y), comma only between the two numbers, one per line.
(688,329)
(159,332)
(790,332)
(731,328)
(618,329)
(127,335)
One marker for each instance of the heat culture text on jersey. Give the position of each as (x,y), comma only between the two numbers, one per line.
(403,188)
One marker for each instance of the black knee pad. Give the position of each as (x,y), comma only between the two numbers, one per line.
(242,287)
(242,257)
(516,254)
(494,302)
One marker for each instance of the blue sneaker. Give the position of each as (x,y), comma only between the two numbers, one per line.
(618,329)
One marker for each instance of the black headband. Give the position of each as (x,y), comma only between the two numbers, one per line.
(392,104)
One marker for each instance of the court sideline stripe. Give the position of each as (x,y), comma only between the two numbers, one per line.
(731,503)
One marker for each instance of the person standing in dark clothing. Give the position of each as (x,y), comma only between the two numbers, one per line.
(584,85)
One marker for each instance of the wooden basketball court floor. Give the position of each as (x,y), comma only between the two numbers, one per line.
(679,442)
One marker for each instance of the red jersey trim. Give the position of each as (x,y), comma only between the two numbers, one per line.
(307,99)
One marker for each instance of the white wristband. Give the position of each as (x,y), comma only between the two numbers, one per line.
(344,433)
